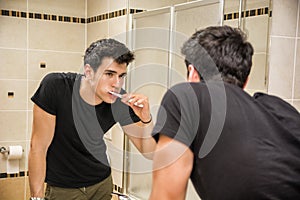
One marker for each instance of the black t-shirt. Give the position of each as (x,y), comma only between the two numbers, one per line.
(244,147)
(77,156)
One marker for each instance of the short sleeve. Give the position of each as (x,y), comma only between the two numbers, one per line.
(45,95)
(178,115)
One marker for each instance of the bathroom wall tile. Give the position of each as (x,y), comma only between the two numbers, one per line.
(257,75)
(13,125)
(13,32)
(149,5)
(13,64)
(297,73)
(12,188)
(231,6)
(232,23)
(117,28)
(298,17)
(74,8)
(13,95)
(18,5)
(256,4)
(281,67)
(296,104)
(117,5)
(58,36)
(286,11)
(22,161)
(32,87)
(53,62)
(96,7)
(29,127)
(96,31)
(257,29)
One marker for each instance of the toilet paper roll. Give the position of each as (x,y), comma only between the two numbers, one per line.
(13,159)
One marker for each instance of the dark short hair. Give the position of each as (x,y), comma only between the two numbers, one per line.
(107,48)
(220,52)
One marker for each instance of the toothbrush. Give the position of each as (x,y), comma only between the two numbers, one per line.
(121,96)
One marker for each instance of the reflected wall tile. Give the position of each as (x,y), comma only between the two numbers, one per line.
(286,11)
(13,95)
(117,5)
(13,64)
(148,5)
(117,28)
(257,74)
(18,5)
(43,62)
(96,7)
(259,34)
(281,67)
(13,32)
(58,36)
(96,31)
(12,188)
(297,73)
(13,125)
(71,8)
(296,104)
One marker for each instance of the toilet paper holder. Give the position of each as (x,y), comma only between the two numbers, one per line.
(3,150)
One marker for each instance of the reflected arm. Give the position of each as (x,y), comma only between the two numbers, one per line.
(42,135)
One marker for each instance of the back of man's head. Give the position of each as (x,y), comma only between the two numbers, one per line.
(220,51)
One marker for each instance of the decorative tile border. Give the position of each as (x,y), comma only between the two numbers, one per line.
(50,17)
(249,13)
(20,174)
(118,13)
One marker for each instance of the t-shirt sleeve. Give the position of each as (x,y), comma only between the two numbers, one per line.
(178,115)
(45,95)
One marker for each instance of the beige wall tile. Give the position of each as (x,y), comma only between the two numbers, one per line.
(74,8)
(13,64)
(13,125)
(148,5)
(32,87)
(258,73)
(13,32)
(281,67)
(257,29)
(296,104)
(12,188)
(96,31)
(298,23)
(117,5)
(283,12)
(58,36)
(54,61)
(18,5)
(96,7)
(297,73)
(18,100)
(117,28)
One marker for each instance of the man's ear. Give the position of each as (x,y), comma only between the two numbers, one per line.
(88,71)
(193,74)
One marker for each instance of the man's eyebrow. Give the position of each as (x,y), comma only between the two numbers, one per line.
(114,72)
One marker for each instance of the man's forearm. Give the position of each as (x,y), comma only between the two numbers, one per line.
(37,171)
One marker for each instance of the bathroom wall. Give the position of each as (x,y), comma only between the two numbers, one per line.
(36,37)
(284,72)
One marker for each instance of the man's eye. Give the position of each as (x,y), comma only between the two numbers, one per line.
(109,74)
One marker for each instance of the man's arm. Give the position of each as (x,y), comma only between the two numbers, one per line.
(140,135)
(172,166)
(42,135)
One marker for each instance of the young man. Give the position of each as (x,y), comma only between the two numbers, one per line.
(231,145)
(71,114)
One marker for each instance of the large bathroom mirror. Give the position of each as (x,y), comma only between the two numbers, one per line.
(156,37)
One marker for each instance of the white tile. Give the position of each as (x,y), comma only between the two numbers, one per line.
(13,32)
(96,7)
(17,101)
(96,31)
(281,67)
(17,5)
(71,8)
(58,36)
(13,64)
